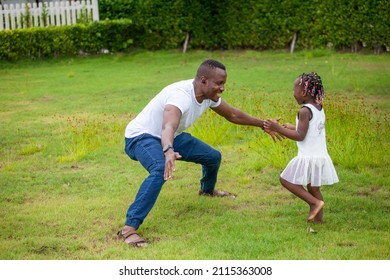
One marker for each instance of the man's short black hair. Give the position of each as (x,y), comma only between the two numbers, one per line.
(207,65)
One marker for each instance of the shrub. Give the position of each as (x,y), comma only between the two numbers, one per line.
(266,24)
(55,41)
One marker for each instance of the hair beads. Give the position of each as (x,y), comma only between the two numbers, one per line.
(313,86)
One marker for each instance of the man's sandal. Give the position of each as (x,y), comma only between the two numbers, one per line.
(132,238)
(218,193)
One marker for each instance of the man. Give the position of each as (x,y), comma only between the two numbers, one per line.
(156,139)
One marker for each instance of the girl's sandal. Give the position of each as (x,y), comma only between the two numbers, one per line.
(132,238)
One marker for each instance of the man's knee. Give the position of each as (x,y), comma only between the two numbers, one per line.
(216,157)
(157,168)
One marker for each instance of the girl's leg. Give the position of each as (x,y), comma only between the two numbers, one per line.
(298,190)
(316,192)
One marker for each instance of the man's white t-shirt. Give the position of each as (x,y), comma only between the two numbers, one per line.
(180,94)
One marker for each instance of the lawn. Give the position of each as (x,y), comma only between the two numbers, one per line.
(66,183)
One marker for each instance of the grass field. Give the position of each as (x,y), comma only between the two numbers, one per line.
(66,184)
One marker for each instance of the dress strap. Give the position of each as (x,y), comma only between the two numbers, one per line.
(311,112)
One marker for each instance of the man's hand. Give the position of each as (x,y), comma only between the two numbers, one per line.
(275,136)
(170,157)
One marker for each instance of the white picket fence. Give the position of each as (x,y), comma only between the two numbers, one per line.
(58,13)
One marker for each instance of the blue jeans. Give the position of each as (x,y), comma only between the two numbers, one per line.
(147,149)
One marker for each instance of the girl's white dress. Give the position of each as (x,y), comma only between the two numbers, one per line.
(313,164)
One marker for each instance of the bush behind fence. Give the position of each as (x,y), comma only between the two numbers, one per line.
(211,24)
(256,24)
(56,41)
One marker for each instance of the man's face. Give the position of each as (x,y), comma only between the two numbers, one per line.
(214,85)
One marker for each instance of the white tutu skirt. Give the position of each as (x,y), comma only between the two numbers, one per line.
(316,171)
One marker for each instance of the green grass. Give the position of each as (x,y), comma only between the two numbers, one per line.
(66,184)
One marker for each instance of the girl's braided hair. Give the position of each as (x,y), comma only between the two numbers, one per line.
(313,85)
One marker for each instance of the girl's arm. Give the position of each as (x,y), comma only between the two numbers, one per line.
(289,126)
(297,135)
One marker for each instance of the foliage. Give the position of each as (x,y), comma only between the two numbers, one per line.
(53,41)
(355,25)
(267,24)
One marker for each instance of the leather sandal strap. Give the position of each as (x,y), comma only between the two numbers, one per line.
(120,234)
(130,234)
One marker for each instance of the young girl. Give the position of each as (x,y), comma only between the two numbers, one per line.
(313,166)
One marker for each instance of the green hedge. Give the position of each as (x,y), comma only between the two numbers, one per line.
(265,24)
(46,42)
(211,24)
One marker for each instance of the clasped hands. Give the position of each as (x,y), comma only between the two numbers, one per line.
(271,126)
